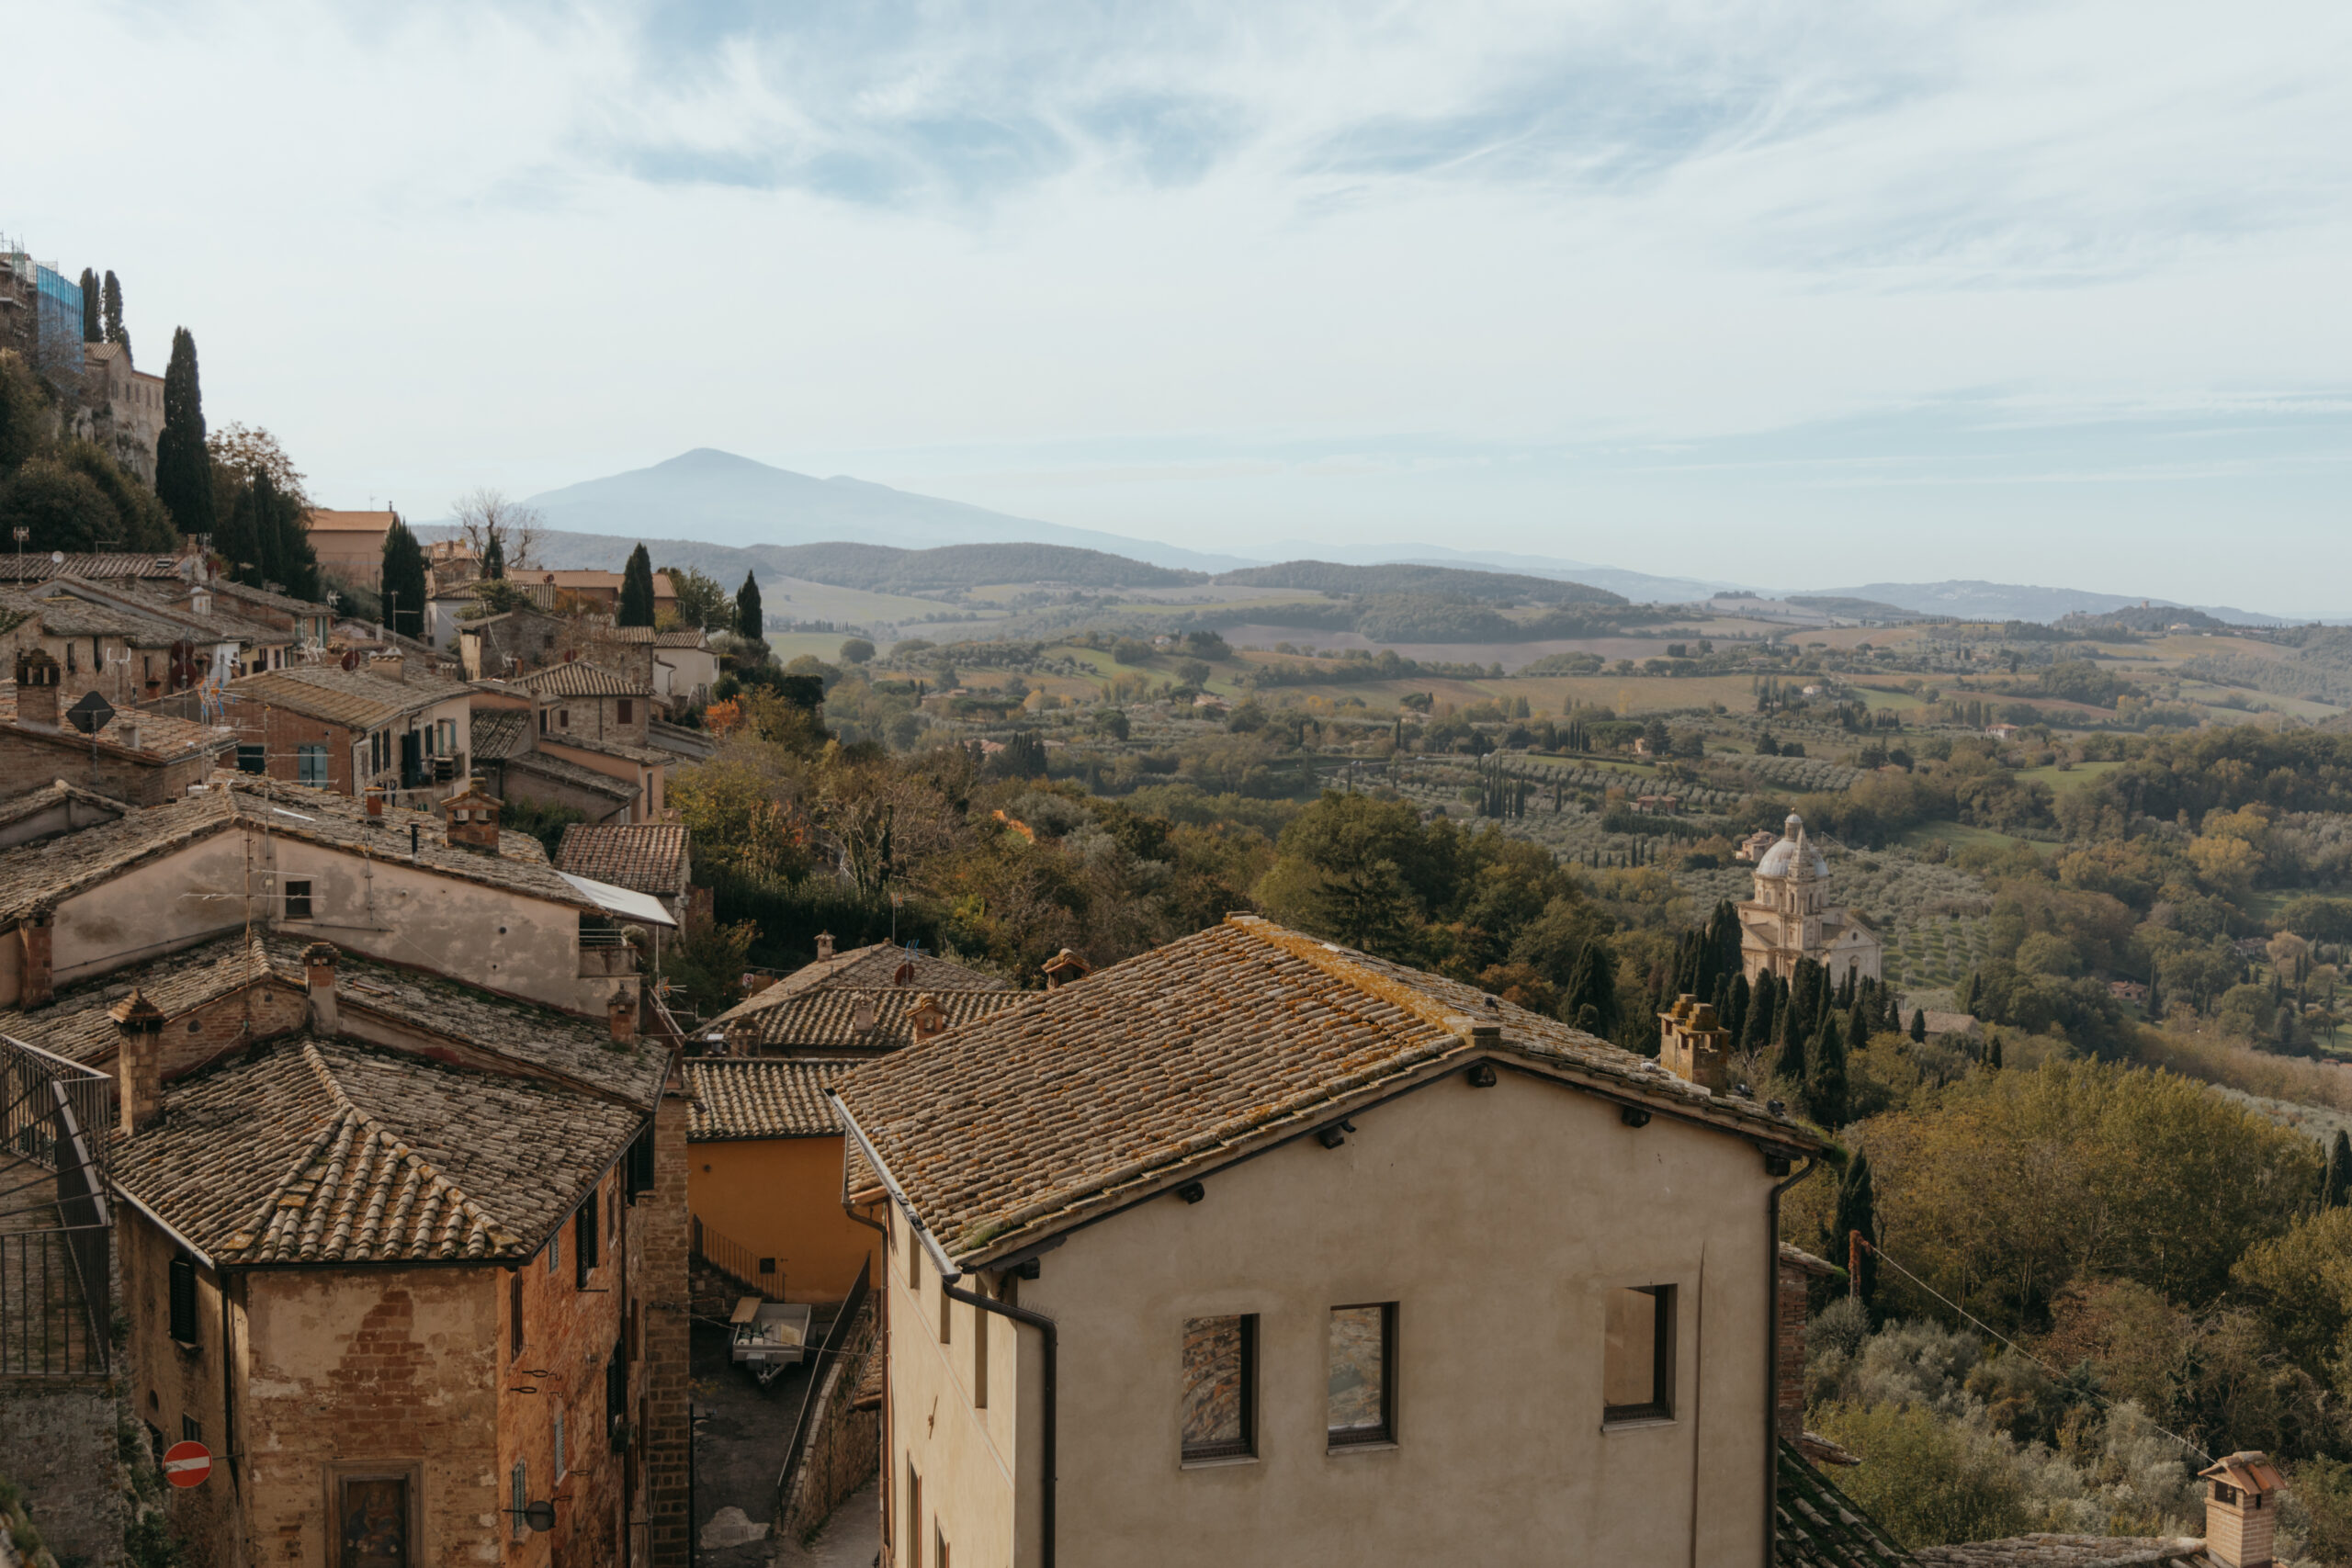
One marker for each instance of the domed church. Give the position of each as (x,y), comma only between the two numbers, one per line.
(1791,917)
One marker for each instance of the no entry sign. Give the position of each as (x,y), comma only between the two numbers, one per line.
(186,1464)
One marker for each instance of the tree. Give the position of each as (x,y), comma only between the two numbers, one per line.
(1857,1211)
(403,587)
(493,561)
(24,413)
(486,518)
(748,621)
(183,463)
(1919,1025)
(241,453)
(2335,1181)
(635,607)
(237,540)
(1824,1078)
(698,599)
(93,329)
(115,333)
(141,522)
(856,650)
(64,509)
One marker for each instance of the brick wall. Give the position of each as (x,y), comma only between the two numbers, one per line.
(28,763)
(167,1384)
(281,732)
(1789,1360)
(57,1443)
(668,1337)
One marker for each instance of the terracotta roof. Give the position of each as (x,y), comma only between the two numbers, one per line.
(578,678)
(689,637)
(77,1025)
(1817,1526)
(159,734)
(557,770)
(629,634)
(64,614)
(323,1151)
(356,698)
(753,1099)
(319,520)
(1074,1100)
(879,964)
(648,856)
(38,568)
(285,602)
(499,733)
(830,1019)
(695,745)
(32,874)
(2070,1552)
(58,793)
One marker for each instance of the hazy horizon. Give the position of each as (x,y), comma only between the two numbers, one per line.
(2041,295)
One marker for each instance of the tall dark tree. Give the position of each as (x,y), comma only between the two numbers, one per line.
(636,590)
(1791,1063)
(494,560)
(298,562)
(749,620)
(1763,1003)
(2335,1181)
(93,327)
(1857,1211)
(1919,1025)
(1733,1015)
(1857,1026)
(113,309)
(1802,1016)
(403,587)
(183,465)
(237,538)
(1824,1078)
(1591,985)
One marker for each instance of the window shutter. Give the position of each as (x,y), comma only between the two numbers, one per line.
(584,1236)
(184,1300)
(641,1165)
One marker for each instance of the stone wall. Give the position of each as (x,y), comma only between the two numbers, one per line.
(58,1446)
(668,1337)
(844,1447)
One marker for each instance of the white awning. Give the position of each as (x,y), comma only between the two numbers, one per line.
(626,903)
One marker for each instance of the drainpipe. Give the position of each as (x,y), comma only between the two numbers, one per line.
(887,1491)
(949,1274)
(1772,1354)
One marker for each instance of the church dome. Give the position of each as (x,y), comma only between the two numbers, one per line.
(1780,859)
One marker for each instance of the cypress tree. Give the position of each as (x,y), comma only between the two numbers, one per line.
(113,308)
(92,330)
(750,623)
(636,590)
(403,587)
(298,562)
(183,465)
(1802,1016)
(237,540)
(1762,1004)
(1791,1063)
(1824,1078)
(1592,985)
(494,560)
(1857,1211)
(1722,941)
(1993,1052)
(268,558)
(1734,1016)
(1858,1027)
(1919,1026)
(2335,1181)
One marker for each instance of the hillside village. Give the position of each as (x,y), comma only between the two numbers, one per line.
(1004,1053)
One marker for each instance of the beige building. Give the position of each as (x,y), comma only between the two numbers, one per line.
(1791,917)
(350,544)
(124,407)
(1290,1255)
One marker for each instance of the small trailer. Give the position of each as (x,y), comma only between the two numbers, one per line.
(768,1335)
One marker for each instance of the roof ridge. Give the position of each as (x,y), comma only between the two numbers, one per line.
(1340,964)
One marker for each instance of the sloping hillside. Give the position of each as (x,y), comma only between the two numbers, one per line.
(1434,581)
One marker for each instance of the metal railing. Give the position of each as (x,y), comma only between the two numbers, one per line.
(36,1086)
(737,1262)
(56,1282)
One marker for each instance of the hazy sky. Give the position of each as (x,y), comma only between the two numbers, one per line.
(1796,294)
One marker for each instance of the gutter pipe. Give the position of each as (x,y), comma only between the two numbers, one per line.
(948,1276)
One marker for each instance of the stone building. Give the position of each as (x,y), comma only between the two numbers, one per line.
(382,727)
(1791,918)
(864,1002)
(1255,1243)
(124,407)
(139,759)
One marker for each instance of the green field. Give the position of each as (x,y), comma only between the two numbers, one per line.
(2061,779)
(1961,838)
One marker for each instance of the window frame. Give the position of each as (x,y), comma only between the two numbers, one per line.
(296,897)
(1385,1434)
(1246,1446)
(182,1300)
(1660,1406)
(584,1237)
(251,757)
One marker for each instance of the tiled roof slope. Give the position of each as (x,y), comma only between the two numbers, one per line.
(826,1020)
(499,733)
(76,1023)
(57,793)
(36,873)
(2071,1551)
(1074,1099)
(649,857)
(868,968)
(159,734)
(308,1151)
(569,773)
(112,563)
(356,698)
(578,678)
(1817,1526)
(755,1099)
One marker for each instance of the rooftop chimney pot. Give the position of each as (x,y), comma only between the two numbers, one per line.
(824,946)
(928,1020)
(622,1012)
(36,688)
(139,1062)
(319,962)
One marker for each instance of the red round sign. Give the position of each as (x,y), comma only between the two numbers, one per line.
(186,1464)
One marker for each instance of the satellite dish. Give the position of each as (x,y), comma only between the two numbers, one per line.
(57,558)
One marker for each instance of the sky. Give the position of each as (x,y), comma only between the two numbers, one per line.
(1797,295)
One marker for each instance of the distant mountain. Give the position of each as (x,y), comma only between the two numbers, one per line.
(1441,581)
(876,567)
(1641,587)
(1970,600)
(721,499)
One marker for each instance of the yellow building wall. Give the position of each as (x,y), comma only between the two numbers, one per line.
(782,1198)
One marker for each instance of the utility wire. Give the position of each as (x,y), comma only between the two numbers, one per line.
(1880,1253)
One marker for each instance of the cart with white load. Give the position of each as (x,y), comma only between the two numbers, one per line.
(768,1335)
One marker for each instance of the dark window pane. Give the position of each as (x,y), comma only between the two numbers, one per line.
(1359,1389)
(1217,1376)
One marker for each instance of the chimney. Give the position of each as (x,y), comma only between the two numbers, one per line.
(470,820)
(34,932)
(318,975)
(824,946)
(388,667)
(139,1063)
(863,1013)
(1692,1046)
(126,733)
(1797,1267)
(622,1011)
(36,688)
(929,1020)
(1065,966)
(2241,1509)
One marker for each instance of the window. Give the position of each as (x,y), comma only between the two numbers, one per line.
(641,1165)
(583,1240)
(947,1314)
(514,1311)
(518,1497)
(374,1511)
(191,1429)
(914,1517)
(183,1292)
(629,711)
(1220,1387)
(1362,1397)
(251,759)
(311,765)
(1637,1365)
(563,718)
(298,897)
(939,1545)
(563,1467)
